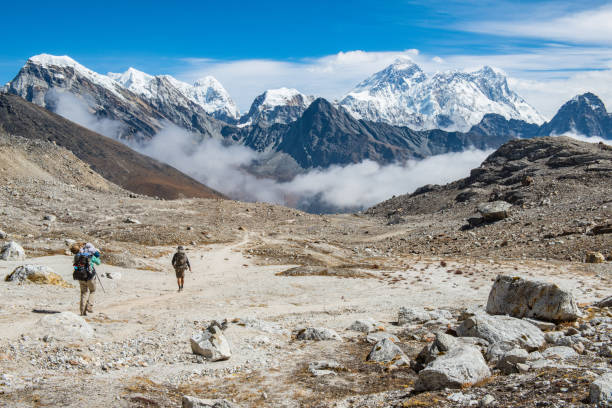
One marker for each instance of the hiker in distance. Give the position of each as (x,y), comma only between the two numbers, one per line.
(181,264)
(85,272)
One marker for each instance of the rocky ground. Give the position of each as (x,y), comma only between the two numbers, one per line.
(280,276)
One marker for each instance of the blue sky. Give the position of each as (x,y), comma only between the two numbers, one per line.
(531,40)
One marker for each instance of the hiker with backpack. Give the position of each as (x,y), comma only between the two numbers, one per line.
(181,264)
(85,272)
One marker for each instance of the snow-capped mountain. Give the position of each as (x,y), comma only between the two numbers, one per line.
(139,106)
(206,92)
(282,105)
(402,94)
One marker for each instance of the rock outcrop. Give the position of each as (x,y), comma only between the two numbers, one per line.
(525,298)
(211,343)
(12,251)
(496,329)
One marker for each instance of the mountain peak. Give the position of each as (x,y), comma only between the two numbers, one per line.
(54,60)
(590,99)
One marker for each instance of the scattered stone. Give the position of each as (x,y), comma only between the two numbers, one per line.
(518,297)
(502,328)
(594,257)
(442,344)
(412,315)
(487,401)
(607,302)
(496,351)
(261,325)
(527,181)
(321,368)
(317,333)
(49,217)
(375,337)
(494,211)
(386,351)
(65,326)
(130,220)
(12,251)
(600,391)
(544,326)
(509,360)
(562,352)
(553,337)
(364,325)
(112,275)
(40,274)
(460,366)
(193,402)
(3,234)
(211,343)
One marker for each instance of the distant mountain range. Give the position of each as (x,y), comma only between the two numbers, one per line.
(396,114)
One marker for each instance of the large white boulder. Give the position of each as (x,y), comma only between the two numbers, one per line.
(526,298)
(460,366)
(212,344)
(65,326)
(496,329)
(12,251)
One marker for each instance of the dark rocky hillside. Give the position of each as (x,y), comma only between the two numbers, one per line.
(111,159)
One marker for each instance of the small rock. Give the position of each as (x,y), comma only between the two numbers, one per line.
(553,337)
(65,326)
(487,401)
(375,337)
(12,251)
(49,217)
(412,315)
(130,220)
(317,333)
(386,351)
(321,368)
(544,326)
(607,302)
(193,402)
(494,211)
(561,352)
(600,391)
(508,362)
(594,257)
(364,325)
(3,234)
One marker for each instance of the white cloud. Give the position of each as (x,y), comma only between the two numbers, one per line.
(354,186)
(583,27)
(583,138)
(78,110)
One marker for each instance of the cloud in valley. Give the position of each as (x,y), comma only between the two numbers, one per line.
(353,186)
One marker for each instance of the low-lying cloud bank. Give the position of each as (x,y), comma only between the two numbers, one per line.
(350,187)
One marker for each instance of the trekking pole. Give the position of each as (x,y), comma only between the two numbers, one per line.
(100,280)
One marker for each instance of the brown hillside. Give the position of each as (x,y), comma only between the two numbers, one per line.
(111,159)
